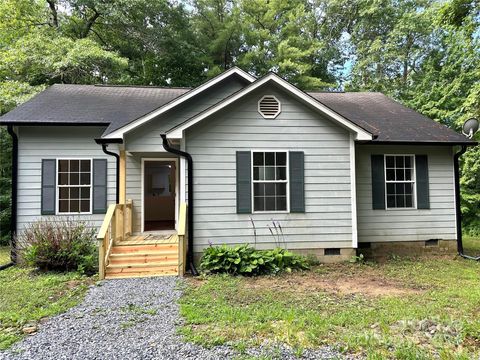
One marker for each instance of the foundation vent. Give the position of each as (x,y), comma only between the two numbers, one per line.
(431,242)
(330,252)
(269,107)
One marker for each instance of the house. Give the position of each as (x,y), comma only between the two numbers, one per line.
(338,171)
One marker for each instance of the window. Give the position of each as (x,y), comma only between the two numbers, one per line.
(399,175)
(270,180)
(74,182)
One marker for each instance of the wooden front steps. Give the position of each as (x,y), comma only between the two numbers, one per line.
(128,260)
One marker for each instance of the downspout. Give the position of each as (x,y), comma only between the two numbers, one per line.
(187,156)
(13,214)
(458,204)
(105,143)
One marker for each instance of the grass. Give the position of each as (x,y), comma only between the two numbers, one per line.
(4,255)
(401,309)
(28,297)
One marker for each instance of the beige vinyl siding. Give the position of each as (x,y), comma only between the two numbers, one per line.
(438,222)
(327,221)
(49,142)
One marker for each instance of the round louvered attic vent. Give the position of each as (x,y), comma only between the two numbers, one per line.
(269,107)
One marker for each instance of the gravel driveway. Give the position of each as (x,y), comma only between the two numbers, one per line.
(129,319)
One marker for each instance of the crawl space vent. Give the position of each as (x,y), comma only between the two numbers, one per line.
(269,107)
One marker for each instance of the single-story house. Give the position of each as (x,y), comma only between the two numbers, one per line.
(256,160)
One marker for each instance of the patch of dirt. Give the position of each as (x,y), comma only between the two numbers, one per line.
(364,281)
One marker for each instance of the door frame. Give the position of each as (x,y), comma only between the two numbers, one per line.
(177,187)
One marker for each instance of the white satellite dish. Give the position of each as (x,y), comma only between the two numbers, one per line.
(470,127)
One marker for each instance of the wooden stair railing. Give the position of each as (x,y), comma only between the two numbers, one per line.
(116,226)
(182,244)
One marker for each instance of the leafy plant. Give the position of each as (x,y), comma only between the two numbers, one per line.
(62,245)
(246,260)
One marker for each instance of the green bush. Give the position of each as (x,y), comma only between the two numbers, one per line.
(60,245)
(246,260)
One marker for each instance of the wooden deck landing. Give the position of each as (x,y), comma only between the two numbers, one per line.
(144,255)
(150,239)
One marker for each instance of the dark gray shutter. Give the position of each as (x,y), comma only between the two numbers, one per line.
(244,182)
(99,186)
(378,182)
(423,191)
(49,174)
(297,183)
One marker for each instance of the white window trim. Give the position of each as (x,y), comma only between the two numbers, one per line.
(269,116)
(414,182)
(57,187)
(287,181)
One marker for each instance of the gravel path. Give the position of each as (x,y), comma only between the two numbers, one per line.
(129,319)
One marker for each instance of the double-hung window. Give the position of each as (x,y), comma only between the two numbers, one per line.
(399,181)
(270,181)
(74,182)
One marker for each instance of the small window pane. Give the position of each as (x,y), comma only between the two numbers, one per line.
(270,203)
(408,189)
(85,206)
(399,163)
(281,173)
(281,203)
(408,161)
(281,159)
(63,206)
(85,166)
(408,201)
(400,189)
(63,193)
(391,201)
(258,203)
(408,174)
(257,158)
(400,201)
(74,193)
(270,158)
(63,165)
(270,189)
(390,189)
(85,179)
(258,189)
(74,178)
(63,179)
(269,173)
(74,205)
(85,193)
(390,174)
(256,173)
(281,189)
(74,165)
(400,174)
(390,161)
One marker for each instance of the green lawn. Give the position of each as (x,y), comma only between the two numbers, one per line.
(401,309)
(4,255)
(471,245)
(27,297)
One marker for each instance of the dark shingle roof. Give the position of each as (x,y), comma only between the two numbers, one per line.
(116,106)
(389,120)
(92,104)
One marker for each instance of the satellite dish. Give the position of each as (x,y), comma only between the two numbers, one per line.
(470,127)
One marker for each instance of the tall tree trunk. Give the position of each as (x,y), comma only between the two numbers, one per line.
(53,9)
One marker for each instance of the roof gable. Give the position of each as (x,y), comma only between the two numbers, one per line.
(361,134)
(120,131)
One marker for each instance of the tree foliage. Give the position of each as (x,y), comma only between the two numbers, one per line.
(424,53)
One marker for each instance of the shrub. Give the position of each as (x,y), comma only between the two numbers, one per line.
(61,245)
(246,260)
